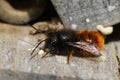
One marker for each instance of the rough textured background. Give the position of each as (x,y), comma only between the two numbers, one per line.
(15,45)
(86,14)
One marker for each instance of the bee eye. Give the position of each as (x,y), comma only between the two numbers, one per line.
(53,40)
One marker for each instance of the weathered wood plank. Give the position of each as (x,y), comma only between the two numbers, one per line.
(21,12)
(86,14)
(15,43)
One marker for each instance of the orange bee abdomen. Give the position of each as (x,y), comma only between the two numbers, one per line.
(91,37)
(99,40)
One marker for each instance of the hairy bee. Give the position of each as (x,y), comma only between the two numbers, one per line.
(69,42)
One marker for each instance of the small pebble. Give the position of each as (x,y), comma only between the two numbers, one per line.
(73,26)
(41,52)
(102,58)
(105,30)
(87,20)
(30,49)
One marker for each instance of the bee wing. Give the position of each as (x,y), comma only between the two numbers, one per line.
(86,47)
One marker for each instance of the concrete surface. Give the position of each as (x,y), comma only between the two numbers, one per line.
(15,45)
(86,14)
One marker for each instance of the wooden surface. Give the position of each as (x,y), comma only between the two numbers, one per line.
(86,14)
(21,12)
(15,45)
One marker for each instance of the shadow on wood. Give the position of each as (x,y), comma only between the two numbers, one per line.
(13,75)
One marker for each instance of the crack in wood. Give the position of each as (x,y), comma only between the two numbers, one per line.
(118,60)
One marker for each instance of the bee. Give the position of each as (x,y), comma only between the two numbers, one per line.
(69,42)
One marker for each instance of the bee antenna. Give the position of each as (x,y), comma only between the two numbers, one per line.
(33,27)
(37,45)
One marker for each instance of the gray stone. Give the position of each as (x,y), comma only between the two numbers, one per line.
(86,14)
(15,45)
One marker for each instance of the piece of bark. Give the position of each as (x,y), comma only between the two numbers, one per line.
(86,14)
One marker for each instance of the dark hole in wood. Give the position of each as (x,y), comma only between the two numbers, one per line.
(18,4)
(48,14)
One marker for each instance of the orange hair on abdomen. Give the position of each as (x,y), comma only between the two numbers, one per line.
(92,37)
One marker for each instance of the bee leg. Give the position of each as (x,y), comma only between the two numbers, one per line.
(44,54)
(69,56)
